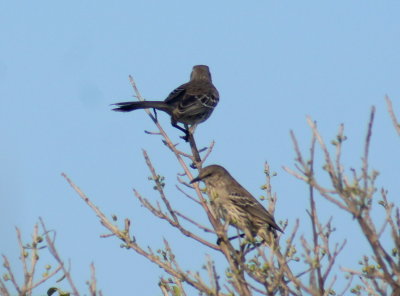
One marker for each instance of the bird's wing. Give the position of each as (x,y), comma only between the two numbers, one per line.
(205,93)
(176,95)
(190,98)
(196,97)
(242,198)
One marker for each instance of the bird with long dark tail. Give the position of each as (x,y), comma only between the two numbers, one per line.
(190,104)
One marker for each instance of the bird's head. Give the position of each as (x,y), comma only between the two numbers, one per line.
(210,173)
(200,72)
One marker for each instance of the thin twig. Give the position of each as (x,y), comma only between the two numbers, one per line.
(7,266)
(3,289)
(392,114)
(187,195)
(54,253)
(366,151)
(314,218)
(130,243)
(159,186)
(206,229)
(172,222)
(209,150)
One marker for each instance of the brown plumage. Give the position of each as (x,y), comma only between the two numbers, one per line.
(191,103)
(234,204)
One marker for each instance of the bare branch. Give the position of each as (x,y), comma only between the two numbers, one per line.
(187,195)
(159,186)
(206,229)
(395,122)
(7,266)
(130,243)
(172,222)
(54,253)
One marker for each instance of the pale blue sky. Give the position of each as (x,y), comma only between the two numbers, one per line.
(63,63)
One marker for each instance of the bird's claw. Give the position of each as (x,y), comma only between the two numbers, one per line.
(186,137)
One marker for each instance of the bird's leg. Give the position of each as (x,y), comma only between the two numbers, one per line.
(231,238)
(242,235)
(175,125)
(155,114)
(187,135)
(254,246)
(245,247)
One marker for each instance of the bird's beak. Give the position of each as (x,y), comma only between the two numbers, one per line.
(197,179)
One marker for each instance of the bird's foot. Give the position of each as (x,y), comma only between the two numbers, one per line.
(186,137)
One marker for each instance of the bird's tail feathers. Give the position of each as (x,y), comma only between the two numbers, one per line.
(130,106)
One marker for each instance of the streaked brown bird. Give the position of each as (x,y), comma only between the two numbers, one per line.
(235,205)
(190,104)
